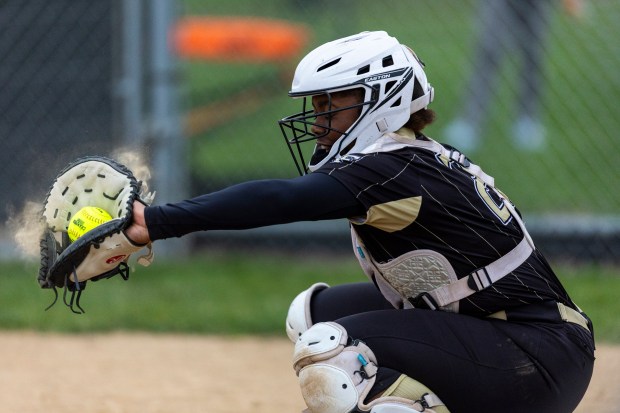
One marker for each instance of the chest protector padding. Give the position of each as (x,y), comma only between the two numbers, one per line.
(407,276)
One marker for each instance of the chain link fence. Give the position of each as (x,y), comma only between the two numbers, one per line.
(528,89)
(84,78)
(54,82)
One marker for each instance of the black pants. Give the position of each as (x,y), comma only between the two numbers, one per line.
(473,365)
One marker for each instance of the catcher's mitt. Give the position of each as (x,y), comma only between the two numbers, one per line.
(102,252)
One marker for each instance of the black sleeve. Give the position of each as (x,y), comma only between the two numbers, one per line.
(254,204)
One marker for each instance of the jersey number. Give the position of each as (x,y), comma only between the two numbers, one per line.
(499,210)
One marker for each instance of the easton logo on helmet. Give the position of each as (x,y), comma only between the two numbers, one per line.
(378,77)
(381,76)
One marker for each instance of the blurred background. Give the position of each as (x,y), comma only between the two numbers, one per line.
(528,89)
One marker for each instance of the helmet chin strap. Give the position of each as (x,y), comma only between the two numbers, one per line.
(318,155)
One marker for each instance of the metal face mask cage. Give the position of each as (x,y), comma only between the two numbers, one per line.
(296,128)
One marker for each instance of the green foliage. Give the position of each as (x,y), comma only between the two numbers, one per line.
(233,294)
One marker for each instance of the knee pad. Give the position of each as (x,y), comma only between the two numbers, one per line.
(335,373)
(298,319)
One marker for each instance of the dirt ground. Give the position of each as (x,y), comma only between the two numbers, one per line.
(144,373)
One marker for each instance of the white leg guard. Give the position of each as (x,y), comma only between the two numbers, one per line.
(335,375)
(298,318)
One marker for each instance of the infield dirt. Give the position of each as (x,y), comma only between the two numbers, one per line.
(146,373)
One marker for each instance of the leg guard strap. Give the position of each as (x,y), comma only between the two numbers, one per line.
(407,395)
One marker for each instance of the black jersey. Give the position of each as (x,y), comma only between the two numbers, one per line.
(417,199)
(406,199)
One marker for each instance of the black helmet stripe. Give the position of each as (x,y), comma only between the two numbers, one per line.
(406,78)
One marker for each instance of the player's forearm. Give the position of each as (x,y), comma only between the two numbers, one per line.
(254,204)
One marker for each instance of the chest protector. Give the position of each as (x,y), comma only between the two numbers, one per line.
(425,278)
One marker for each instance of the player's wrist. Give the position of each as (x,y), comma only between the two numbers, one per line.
(137,232)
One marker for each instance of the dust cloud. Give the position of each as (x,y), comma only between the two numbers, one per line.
(27,227)
(136,162)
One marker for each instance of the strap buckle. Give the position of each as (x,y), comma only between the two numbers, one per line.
(479,279)
(459,158)
(424,300)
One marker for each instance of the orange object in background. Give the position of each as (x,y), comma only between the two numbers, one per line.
(238,39)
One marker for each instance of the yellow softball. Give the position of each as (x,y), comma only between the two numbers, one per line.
(86,219)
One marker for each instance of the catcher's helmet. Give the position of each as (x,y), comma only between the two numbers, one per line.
(390,74)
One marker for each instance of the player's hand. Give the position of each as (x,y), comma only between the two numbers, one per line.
(137,231)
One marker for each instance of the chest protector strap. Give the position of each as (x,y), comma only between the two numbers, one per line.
(425,278)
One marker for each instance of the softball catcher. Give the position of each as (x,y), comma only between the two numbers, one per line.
(461,313)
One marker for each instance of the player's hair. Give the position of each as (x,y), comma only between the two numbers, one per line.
(420,119)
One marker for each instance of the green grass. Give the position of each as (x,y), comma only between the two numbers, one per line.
(215,294)
(233,293)
(596,290)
